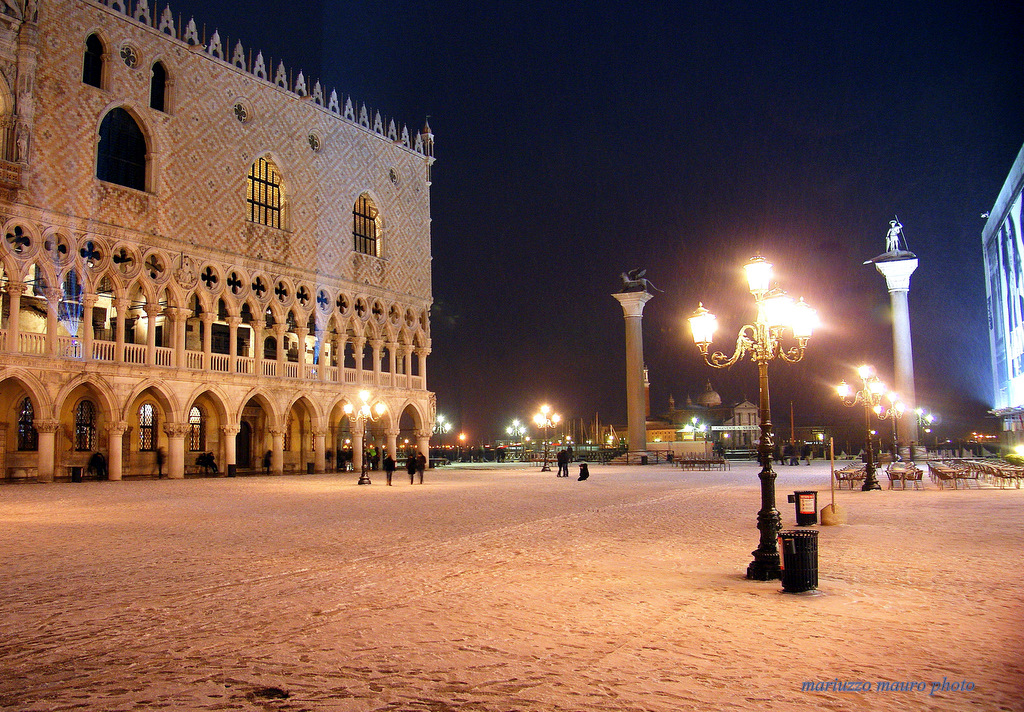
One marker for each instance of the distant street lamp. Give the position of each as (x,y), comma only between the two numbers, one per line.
(892,410)
(516,431)
(462,441)
(360,416)
(870,395)
(442,426)
(546,419)
(762,340)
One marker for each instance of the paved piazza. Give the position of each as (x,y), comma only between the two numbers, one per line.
(499,590)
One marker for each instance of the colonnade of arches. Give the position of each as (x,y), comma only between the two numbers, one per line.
(154,431)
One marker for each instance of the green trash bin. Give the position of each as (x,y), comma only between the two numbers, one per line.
(799,549)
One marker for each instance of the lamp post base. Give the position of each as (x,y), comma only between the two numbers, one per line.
(364,479)
(764,567)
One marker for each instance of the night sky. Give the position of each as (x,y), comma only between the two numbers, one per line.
(577,143)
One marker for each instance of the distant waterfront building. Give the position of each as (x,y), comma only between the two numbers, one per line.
(734,426)
(1003,245)
(200,253)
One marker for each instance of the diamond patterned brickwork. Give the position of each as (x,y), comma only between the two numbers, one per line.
(200,155)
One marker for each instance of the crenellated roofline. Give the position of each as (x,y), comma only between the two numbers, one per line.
(297,85)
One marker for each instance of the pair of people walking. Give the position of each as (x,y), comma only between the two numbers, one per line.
(414,465)
(562,458)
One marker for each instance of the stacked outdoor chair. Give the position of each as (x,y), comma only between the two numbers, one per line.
(944,473)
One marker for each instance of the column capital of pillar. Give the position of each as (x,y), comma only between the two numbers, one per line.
(176,430)
(208,317)
(119,427)
(897,273)
(230,429)
(46,425)
(633,302)
(16,288)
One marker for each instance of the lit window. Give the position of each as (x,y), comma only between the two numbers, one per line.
(364,226)
(147,428)
(196,429)
(28,438)
(264,195)
(121,157)
(92,67)
(85,426)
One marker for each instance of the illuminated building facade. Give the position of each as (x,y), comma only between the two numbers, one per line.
(200,253)
(1003,244)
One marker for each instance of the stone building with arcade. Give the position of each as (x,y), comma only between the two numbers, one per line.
(200,253)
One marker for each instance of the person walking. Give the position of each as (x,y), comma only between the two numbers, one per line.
(421,465)
(805,453)
(389,467)
(410,467)
(160,463)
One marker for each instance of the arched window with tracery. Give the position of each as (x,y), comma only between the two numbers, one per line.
(121,156)
(85,426)
(196,429)
(264,193)
(365,230)
(147,428)
(28,438)
(92,65)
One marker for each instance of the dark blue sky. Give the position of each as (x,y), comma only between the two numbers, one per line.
(576,143)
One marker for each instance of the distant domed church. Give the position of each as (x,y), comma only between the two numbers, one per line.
(733,426)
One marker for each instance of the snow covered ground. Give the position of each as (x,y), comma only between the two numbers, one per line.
(502,589)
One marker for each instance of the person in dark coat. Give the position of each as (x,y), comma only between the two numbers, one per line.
(266,462)
(410,467)
(562,458)
(421,465)
(160,462)
(389,467)
(584,472)
(805,453)
(98,464)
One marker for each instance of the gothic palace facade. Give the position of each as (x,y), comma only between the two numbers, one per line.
(200,253)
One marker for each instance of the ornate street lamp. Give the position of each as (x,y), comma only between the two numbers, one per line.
(441,427)
(546,419)
(892,409)
(516,431)
(870,395)
(360,415)
(762,341)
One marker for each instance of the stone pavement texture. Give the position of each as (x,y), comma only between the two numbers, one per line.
(501,589)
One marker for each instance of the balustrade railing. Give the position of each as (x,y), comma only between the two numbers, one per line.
(35,344)
(135,353)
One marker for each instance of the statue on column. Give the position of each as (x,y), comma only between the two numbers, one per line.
(635,281)
(892,238)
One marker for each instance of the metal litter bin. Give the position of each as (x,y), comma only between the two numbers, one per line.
(232,470)
(643,459)
(309,468)
(799,548)
(76,474)
(806,507)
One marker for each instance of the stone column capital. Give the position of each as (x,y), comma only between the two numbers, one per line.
(633,302)
(230,429)
(176,430)
(46,425)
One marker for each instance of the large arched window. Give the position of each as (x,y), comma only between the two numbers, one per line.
(28,438)
(92,66)
(121,157)
(264,194)
(364,226)
(158,88)
(196,429)
(147,428)
(85,426)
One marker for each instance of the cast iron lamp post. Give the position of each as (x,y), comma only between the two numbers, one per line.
(546,419)
(361,415)
(441,427)
(869,396)
(762,341)
(517,430)
(892,410)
